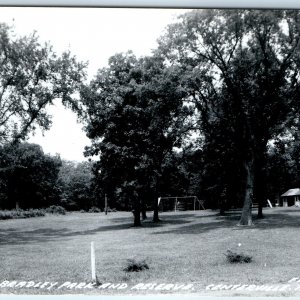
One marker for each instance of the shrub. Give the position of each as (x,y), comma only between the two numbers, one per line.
(30,213)
(21,214)
(6,214)
(94,209)
(33,213)
(233,257)
(136,266)
(55,209)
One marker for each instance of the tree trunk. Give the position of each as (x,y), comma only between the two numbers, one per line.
(126,204)
(137,219)
(155,204)
(155,210)
(222,208)
(260,210)
(144,214)
(223,204)
(259,184)
(137,212)
(246,217)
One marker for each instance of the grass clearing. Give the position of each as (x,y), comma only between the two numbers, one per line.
(186,247)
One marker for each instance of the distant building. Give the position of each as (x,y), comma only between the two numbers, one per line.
(291,197)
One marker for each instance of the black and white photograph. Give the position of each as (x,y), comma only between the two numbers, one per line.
(149,151)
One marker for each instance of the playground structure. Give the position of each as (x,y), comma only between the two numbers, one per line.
(180,203)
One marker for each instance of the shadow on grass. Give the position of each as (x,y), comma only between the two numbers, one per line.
(12,236)
(200,224)
(168,217)
(284,219)
(49,234)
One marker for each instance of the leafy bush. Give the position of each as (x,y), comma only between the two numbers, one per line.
(136,266)
(34,213)
(233,257)
(55,209)
(6,214)
(21,214)
(30,213)
(94,209)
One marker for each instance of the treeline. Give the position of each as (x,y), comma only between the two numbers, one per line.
(29,178)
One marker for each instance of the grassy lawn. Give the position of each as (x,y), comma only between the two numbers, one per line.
(186,247)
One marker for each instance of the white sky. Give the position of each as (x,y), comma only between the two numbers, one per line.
(92,34)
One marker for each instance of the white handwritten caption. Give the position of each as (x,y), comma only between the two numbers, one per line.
(289,286)
(84,285)
(292,285)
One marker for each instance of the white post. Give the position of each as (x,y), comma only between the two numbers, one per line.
(194,203)
(269,202)
(175,204)
(93,262)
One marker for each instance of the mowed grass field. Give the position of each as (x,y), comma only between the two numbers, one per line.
(185,247)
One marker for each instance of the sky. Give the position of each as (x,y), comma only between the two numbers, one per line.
(93,35)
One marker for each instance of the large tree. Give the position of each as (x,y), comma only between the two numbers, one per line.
(242,68)
(135,116)
(28,176)
(32,76)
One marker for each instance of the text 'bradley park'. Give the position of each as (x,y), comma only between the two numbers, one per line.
(88,285)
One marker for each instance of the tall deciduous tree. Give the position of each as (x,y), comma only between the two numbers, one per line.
(243,71)
(135,117)
(31,77)
(29,177)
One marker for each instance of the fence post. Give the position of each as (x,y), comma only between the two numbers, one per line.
(93,263)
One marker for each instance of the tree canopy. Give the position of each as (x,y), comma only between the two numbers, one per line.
(31,77)
(28,177)
(243,75)
(135,116)
(75,181)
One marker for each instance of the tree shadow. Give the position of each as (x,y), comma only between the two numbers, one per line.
(284,219)
(48,234)
(161,215)
(173,224)
(11,236)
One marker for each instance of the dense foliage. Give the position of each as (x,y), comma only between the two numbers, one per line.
(135,117)
(28,177)
(31,77)
(75,181)
(242,70)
